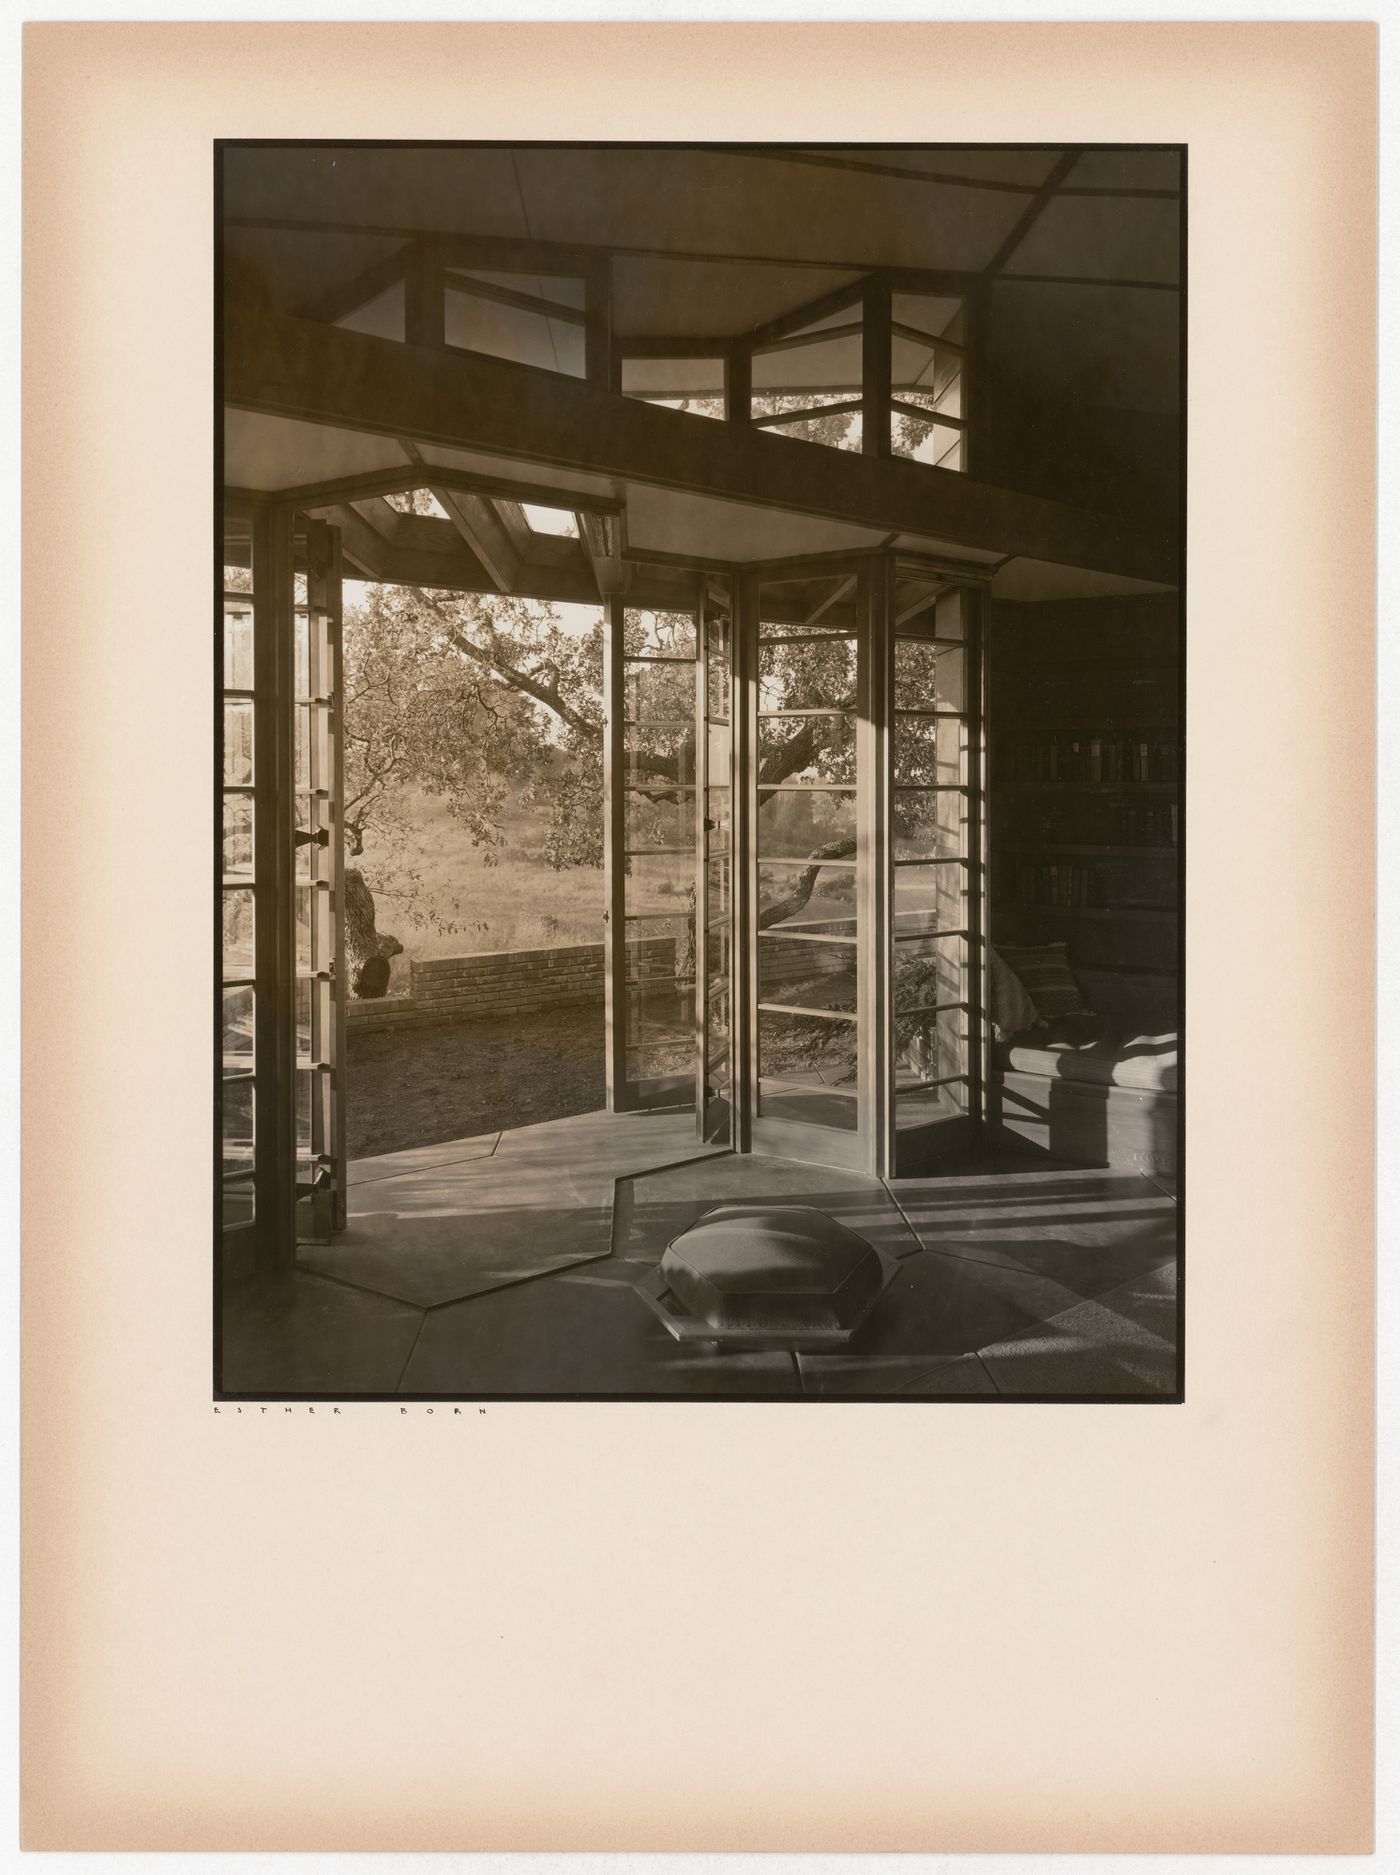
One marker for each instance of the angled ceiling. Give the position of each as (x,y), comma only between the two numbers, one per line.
(711,241)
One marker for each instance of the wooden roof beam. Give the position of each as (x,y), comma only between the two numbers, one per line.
(466,400)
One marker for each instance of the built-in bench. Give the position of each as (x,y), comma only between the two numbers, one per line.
(1100,1093)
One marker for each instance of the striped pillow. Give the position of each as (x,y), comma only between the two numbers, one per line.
(1045,971)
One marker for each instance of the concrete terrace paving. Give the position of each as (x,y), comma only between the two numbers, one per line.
(505,1264)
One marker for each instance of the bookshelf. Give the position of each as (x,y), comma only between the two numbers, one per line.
(1084,767)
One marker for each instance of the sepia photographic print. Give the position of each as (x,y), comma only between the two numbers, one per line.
(700,777)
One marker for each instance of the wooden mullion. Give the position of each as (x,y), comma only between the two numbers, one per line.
(275,1149)
(779,419)
(743,866)
(425,300)
(599,366)
(927,339)
(850,330)
(738,383)
(788,323)
(979,1039)
(509,296)
(927,416)
(614,866)
(876,370)
(875,684)
(701,856)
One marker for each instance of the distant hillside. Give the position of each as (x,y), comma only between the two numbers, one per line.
(466,904)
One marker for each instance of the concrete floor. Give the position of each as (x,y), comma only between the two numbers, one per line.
(505,1265)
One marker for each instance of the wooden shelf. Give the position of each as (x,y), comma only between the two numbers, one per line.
(1135,912)
(1093,852)
(1085,787)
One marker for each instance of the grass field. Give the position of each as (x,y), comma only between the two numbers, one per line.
(466,905)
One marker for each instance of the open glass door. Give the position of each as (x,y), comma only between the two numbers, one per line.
(318,908)
(714,884)
(809,801)
(650,853)
(935,865)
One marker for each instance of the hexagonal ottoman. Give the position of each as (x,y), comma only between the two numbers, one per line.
(767,1276)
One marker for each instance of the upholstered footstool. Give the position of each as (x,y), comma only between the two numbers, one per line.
(767,1276)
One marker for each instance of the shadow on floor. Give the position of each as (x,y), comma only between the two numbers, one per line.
(507,1266)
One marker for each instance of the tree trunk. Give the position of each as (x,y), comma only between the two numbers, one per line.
(367,950)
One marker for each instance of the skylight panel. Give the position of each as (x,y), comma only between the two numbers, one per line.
(550,521)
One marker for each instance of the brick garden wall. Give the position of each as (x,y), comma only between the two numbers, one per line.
(499,983)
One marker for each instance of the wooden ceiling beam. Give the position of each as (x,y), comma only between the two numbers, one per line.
(465,400)
(604,541)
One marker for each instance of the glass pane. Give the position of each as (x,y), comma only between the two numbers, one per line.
(658,1013)
(917,1102)
(717,887)
(237,578)
(716,956)
(238,1205)
(238,932)
(661,1059)
(238,836)
(313,1019)
(937,389)
(301,645)
(807,750)
(811,976)
(925,606)
(237,1102)
(717,811)
(929,676)
(818,898)
(717,630)
(928,971)
(313,927)
(658,634)
(802,418)
(796,823)
(660,882)
(238,645)
(304,1080)
(563,289)
(929,751)
(821,607)
(238,1031)
(692,384)
(658,818)
(238,744)
(807,1070)
(818,673)
(930,898)
(717,747)
(931,1045)
(658,692)
(828,366)
(301,745)
(937,317)
(659,945)
(930,825)
(937,444)
(666,754)
(513,332)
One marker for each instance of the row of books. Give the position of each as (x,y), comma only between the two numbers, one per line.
(1115,758)
(1070,886)
(1157,824)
